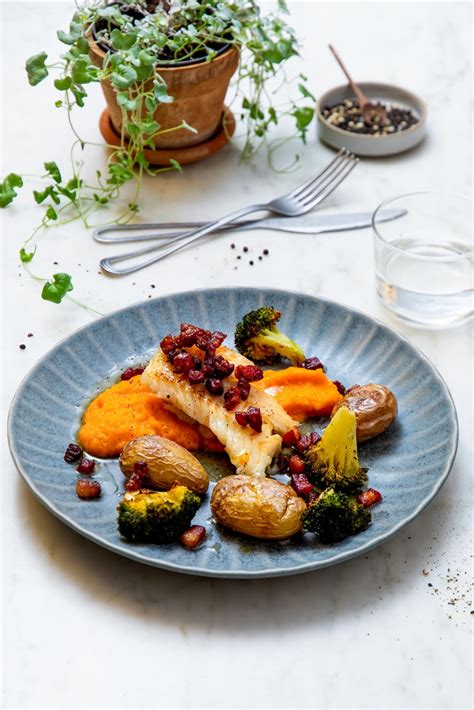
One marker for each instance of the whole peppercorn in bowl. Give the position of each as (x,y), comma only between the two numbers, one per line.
(340,124)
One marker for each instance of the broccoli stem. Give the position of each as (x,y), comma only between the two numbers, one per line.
(283,345)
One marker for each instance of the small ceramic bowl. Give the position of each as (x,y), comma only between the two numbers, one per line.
(369,145)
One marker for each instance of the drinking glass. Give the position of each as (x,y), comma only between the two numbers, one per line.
(424,259)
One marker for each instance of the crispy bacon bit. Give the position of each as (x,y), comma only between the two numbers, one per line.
(215,341)
(131,372)
(86,466)
(244,389)
(191,538)
(312,363)
(215,386)
(232,398)
(292,437)
(296,465)
(168,344)
(282,461)
(202,339)
(307,440)
(241,418)
(73,453)
(252,373)
(369,497)
(340,387)
(300,484)
(139,476)
(221,367)
(195,377)
(88,489)
(183,362)
(254,418)
(190,333)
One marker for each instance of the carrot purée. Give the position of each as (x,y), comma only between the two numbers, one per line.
(129,409)
(302,393)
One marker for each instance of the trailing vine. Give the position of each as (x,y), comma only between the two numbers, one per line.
(137,37)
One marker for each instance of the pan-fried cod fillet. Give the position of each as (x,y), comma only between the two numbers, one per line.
(269,407)
(250,452)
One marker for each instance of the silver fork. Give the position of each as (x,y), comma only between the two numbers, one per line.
(297,202)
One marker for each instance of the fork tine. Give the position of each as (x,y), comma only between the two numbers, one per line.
(318,181)
(331,186)
(308,182)
(316,190)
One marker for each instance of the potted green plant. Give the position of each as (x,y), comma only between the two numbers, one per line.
(164,67)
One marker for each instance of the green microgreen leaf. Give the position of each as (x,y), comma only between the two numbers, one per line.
(126,102)
(75,31)
(50,191)
(83,72)
(63,84)
(56,289)
(120,40)
(36,68)
(161,94)
(51,213)
(303,116)
(123,77)
(177,166)
(25,256)
(7,189)
(53,170)
(306,92)
(79,95)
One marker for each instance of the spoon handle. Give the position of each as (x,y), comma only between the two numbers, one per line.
(362,99)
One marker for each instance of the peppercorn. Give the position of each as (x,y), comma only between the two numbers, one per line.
(348,117)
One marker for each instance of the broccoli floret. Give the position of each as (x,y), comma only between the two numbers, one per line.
(158,517)
(334,516)
(333,460)
(258,338)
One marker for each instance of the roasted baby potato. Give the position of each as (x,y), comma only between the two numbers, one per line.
(168,463)
(259,507)
(375,408)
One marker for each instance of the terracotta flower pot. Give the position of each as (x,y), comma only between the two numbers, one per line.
(198,89)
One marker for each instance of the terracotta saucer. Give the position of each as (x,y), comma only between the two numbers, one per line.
(182,155)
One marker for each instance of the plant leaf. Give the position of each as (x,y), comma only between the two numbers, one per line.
(306,93)
(36,68)
(25,256)
(51,213)
(63,84)
(126,102)
(176,165)
(304,116)
(161,94)
(64,37)
(124,77)
(56,289)
(53,170)
(7,189)
(82,72)
(120,40)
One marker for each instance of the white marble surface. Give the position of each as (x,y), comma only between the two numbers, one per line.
(85,628)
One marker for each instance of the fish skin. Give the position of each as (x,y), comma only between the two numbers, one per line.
(250,452)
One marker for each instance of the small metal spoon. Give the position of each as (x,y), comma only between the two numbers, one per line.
(371,112)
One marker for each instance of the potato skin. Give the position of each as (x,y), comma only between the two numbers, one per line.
(168,463)
(375,407)
(258,507)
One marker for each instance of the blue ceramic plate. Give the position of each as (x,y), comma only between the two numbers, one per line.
(408,463)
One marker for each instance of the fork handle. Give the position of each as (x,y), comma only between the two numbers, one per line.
(107,264)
